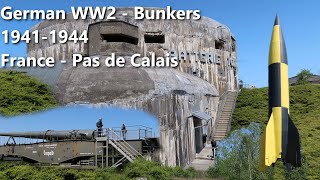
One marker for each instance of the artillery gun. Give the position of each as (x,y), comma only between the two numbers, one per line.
(51,135)
(75,148)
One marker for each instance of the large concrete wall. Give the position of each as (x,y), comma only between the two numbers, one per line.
(171,94)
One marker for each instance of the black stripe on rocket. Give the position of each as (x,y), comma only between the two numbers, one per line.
(284,139)
(274,86)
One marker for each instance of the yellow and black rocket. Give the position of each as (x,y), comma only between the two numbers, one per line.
(281,138)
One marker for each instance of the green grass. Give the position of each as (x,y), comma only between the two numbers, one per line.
(139,168)
(252,106)
(20,93)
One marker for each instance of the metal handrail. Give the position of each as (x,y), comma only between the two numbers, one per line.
(143,131)
(220,109)
(133,126)
(223,98)
(136,134)
(118,163)
(133,152)
(126,150)
(122,151)
(233,107)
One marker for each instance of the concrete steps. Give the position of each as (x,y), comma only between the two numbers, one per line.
(224,119)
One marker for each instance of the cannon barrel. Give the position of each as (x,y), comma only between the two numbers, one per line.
(54,135)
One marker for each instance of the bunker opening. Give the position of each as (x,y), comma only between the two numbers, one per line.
(219,44)
(198,134)
(233,44)
(200,125)
(119,38)
(112,37)
(154,38)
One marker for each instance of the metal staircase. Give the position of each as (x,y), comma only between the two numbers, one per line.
(128,152)
(223,121)
(123,147)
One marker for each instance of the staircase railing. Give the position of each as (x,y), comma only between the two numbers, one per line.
(118,163)
(123,145)
(125,153)
(222,102)
(235,94)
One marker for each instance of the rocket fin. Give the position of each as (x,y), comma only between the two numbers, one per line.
(292,155)
(270,148)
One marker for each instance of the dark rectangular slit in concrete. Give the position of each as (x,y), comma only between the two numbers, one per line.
(154,38)
(119,38)
(219,44)
(233,45)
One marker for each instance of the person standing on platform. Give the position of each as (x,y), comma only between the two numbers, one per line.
(99,127)
(124,131)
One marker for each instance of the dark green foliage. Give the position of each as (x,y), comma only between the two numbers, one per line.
(238,156)
(20,93)
(303,76)
(252,106)
(140,168)
(25,172)
(154,170)
(109,173)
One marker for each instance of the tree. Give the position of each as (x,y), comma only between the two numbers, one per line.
(303,76)
(238,156)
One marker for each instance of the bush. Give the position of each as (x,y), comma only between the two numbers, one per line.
(3,176)
(238,156)
(252,106)
(190,173)
(139,168)
(303,76)
(181,173)
(143,168)
(22,172)
(21,93)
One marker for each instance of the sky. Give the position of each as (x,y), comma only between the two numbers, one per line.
(250,21)
(80,117)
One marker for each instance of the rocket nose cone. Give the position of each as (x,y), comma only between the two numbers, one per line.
(277,21)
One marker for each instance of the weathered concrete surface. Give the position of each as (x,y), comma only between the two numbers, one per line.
(188,36)
(169,94)
(203,160)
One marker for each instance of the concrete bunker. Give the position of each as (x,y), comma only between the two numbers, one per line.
(149,89)
(112,36)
